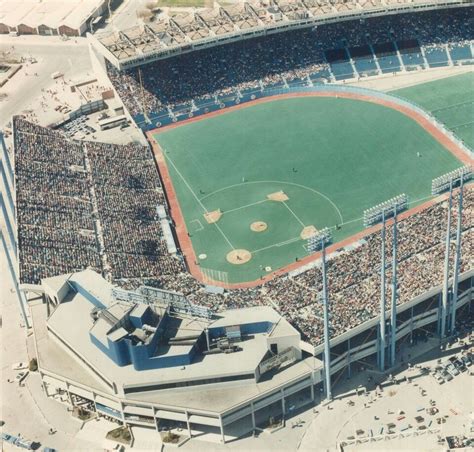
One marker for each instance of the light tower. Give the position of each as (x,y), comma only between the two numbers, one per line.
(439,185)
(457,259)
(393,313)
(316,242)
(374,215)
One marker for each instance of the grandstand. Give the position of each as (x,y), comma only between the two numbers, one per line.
(304,57)
(180,33)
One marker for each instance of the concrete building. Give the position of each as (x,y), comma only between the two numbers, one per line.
(49,17)
(151,358)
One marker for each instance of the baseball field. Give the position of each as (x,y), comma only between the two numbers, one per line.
(253,182)
(450,100)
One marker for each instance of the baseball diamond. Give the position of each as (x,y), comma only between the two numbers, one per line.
(310,150)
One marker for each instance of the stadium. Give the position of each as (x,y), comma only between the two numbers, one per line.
(282,228)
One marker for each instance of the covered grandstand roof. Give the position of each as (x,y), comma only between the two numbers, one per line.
(200,28)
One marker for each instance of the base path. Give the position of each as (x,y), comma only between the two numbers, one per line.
(184,240)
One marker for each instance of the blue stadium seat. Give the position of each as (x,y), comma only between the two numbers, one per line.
(365,66)
(436,56)
(412,60)
(461,54)
(389,63)
(342,71)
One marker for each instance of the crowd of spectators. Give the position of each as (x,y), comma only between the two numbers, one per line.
(257,63)
(64,205)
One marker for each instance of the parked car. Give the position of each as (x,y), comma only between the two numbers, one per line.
(452,370)
(19,366)
(8,438)
(438,377)
(459,365)
(24,443)
(21,376)
(466,361)
(446,375)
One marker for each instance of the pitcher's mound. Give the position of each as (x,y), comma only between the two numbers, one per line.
(258,226)
(308,232)
(213,217)
(239,257)
(278,196)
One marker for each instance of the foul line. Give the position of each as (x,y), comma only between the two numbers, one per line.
(197,199)
(453,106)
(294,214)
(243,207)
(457,126)
(286,242)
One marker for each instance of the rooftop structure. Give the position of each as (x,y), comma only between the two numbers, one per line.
(184,32)
(48,17)
(146,346)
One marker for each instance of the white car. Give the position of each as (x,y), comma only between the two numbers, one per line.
(21,376)
(19,366)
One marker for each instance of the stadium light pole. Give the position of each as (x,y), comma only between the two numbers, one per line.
(327,358)
(382,297)
(444,306)
(319,241)
(374,215)
(393,313)
(439,185)
(457,259)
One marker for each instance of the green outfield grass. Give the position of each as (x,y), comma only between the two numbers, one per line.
(450,100)
(332,157)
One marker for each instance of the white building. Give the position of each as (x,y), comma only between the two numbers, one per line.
(49,17)
(153,359)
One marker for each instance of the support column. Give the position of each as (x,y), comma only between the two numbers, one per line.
(457,260)
(382,299)
(43,384)
(22,301)
(69,394)
(254,424)
(283,405)
(393,314)
(349,370)
(188,425)
(222,430)
(440,304)
(444,306)
(327,357)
